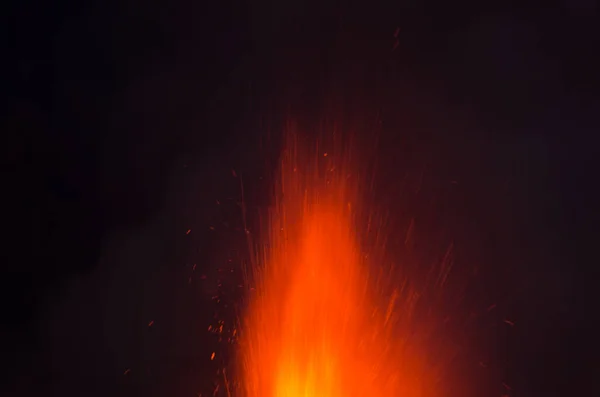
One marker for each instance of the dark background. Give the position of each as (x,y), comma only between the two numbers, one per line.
(126,124)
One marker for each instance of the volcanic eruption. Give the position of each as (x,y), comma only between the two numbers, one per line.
(325,317)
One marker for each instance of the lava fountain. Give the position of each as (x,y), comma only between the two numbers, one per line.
(324,318)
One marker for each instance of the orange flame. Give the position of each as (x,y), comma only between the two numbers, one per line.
(320,320)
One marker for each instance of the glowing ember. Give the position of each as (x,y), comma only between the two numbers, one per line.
(322,320)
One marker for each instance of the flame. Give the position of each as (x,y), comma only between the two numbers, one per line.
(321,320)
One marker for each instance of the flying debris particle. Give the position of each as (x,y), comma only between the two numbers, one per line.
(188,231)
(396,42)
(507,387)
(511,323)
(211,227)
(492,307)
(151,323)
(212,356)
(226,383)
(325,154)
(233,173)
(482,364)
(194,267)
(127,371)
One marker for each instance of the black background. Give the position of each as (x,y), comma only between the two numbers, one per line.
(123,122)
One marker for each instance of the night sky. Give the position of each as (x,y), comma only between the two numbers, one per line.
(125,125)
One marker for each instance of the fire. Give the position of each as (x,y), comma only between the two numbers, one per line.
(322,319)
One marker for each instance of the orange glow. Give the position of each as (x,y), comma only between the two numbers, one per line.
(324,319)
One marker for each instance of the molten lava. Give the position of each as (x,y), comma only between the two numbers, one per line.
(320,322)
